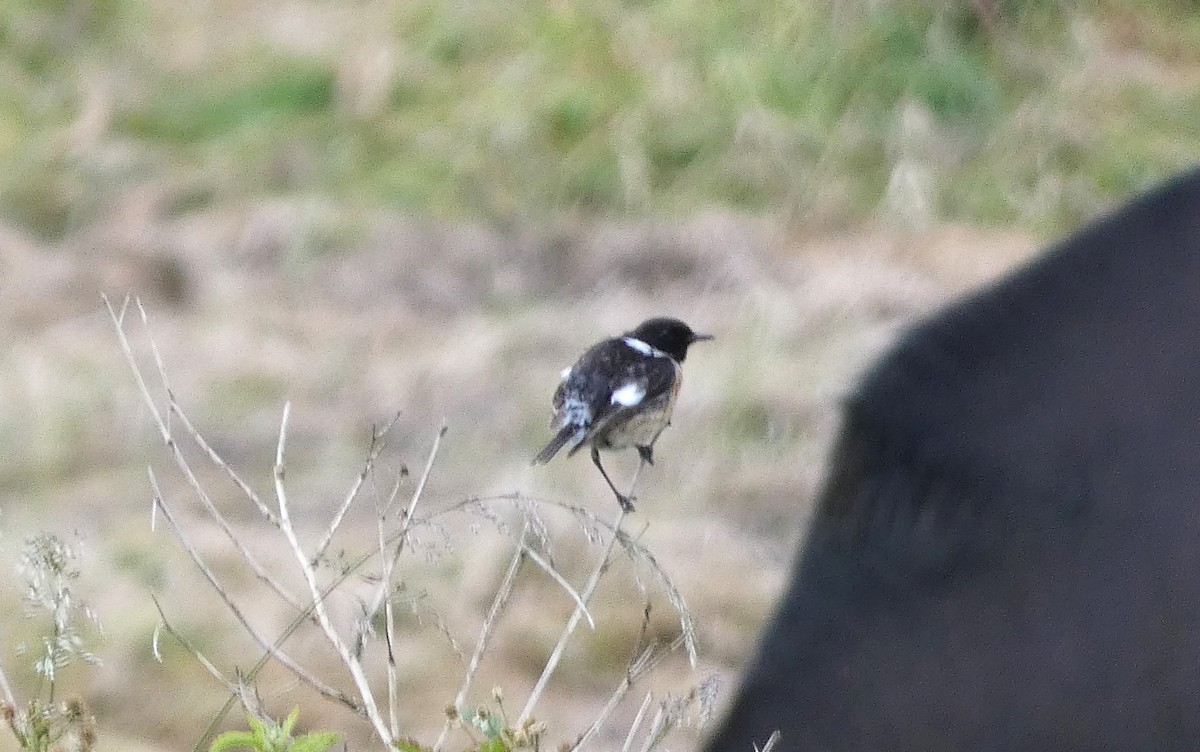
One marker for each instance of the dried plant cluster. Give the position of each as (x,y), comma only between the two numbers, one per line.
(48,570)
(399,516)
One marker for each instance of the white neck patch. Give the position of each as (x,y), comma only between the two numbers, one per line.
(643,348)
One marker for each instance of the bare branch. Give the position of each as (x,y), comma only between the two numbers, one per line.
(177,410)
(687,625)
(569,629)
(127,350)
(220,462)
(420,489)
(352,664)
(181,462)
(247,555)
(406,524)
(7,690)
(274,651)
(503,593)
(637,723)
(562,581)
(389,626)
(377,445)
(657,728)
(645,662)
(192,649)
(298,620)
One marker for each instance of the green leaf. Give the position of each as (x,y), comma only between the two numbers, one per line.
(259,728)
(496,744)
(318,741)
(289,723)
(232,740)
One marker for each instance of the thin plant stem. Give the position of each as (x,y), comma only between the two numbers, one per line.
(569,629)
(352,664)
(234,609)
(377,445)
(9,699)
(499,601)
(536,558)
(637,723)
(177,455)
(645,662)
(192,649)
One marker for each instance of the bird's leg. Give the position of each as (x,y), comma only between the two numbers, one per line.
(636,474)
(647,454)
(626,502)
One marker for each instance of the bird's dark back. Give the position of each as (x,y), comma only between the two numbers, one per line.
(590,374)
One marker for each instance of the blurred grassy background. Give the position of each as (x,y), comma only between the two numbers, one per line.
(1011,111)
(432,206)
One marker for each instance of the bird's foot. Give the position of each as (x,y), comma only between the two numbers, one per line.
(626,502)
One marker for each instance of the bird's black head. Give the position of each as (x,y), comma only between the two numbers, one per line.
(671,336)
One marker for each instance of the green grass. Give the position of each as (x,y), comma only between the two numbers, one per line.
(529,110)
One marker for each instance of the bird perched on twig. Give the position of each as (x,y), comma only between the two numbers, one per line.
(620,393)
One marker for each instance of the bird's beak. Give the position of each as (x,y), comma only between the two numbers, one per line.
(701,337)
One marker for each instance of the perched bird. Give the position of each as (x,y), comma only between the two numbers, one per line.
(620,394)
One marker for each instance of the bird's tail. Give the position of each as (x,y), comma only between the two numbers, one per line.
(566,435)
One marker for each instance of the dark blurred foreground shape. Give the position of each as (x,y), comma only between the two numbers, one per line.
(1006,554)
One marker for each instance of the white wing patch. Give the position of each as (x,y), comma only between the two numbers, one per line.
(564,373)
(643,348)
(629,395)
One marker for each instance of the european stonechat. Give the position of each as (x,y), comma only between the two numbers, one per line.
(620,393)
